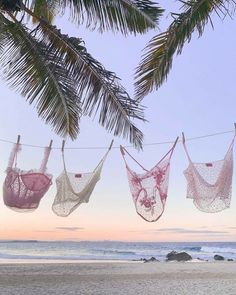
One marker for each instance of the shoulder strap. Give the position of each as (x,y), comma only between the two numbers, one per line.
(63,155)
(100,163)
(185,148)
(170,153)
(123,151)
(13,156)
(47,152)
(228,151)
(63,158)
(231,146)
(104,157)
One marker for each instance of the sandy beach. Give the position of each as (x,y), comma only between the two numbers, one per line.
(119,278)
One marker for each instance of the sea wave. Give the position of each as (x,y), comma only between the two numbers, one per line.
(55,257)
(42,257)
(194,249)
(112,250)
(227,250)
(116,252)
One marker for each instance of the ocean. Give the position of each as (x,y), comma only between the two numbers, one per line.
(17,251)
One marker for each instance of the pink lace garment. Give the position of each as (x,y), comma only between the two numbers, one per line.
(23,190)
(149,190)
(210,184)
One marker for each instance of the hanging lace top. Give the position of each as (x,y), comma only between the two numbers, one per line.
(73,189)
(210,184)
(149,190)
(23,190)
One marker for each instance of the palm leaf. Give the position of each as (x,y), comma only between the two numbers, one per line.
(40,76)
(98,88)
(126,16)
(9,5)
(157,60)
(43,9)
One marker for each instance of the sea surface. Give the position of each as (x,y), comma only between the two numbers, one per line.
(15,251)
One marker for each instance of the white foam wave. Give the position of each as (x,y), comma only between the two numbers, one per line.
(227,250)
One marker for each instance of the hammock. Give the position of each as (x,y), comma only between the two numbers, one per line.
(210,184)
(149,190)
(73,189)
(23,190)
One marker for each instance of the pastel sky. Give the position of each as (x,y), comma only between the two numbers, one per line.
(198,98)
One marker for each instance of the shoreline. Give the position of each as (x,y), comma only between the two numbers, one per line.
(57,261)
(105,261)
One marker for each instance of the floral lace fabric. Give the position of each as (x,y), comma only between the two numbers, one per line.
(23,190)
(149,190)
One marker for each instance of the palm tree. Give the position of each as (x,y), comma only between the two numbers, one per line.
(158,57)
(56,73)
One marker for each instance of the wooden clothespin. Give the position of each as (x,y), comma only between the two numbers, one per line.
(111,144)
(18,139)
(63,145)
(183,138)
(50,144)
(122,150)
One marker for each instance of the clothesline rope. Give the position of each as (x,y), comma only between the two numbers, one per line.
(126,146)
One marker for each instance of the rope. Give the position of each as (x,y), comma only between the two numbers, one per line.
(127,146)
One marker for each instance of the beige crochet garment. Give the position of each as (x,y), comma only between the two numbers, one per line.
(210,184)
(73,189)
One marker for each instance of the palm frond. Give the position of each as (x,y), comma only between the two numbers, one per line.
(44,9)
(40,76)
(157,60)
(9,5)
(98,88)
(125,16)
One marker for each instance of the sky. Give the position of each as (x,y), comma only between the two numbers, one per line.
(198,98)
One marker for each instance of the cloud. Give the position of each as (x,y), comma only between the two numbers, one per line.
(180,230)
(44,231)
(203,230)
(69,228)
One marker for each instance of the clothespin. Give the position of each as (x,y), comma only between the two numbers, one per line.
(18,139)
(235,127)
(183,138)
(63,145)
(50,144)
(111,144)
(122,150)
